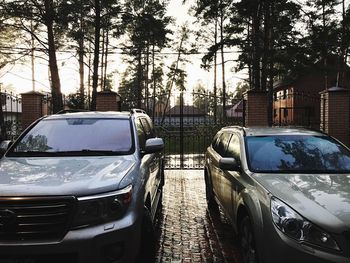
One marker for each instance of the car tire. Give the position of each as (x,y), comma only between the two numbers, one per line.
(247,241)
(147,252)
(161,185)
(209,194)
(162,177)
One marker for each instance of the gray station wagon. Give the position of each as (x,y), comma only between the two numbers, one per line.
(286,192)
(81,187)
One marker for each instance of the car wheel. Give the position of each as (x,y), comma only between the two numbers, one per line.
(247,240)
(209,194)
(147,250)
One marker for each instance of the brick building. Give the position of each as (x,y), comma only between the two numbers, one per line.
(297,100)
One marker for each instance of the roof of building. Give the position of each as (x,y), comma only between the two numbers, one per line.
(187,111)
(317,68)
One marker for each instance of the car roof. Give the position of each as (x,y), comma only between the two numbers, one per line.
(91,114)
(266,131)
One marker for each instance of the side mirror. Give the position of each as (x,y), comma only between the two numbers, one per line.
(229,164)
(154,145)
(4,145)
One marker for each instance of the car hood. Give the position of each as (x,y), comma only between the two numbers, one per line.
(324,199)
(78,176)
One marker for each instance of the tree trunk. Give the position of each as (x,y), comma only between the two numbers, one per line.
(325,51)
(96,53)
(89,76)
(81,62)
(266,42)
(173,77)
(270,113)
(249,41)
(154,82)
(342,58)
(102,60)
(146,78)
(32,56)
(106,61)
(139,78)
(57,103)
(223,65)
(2,121)
(215,71)
(256,56)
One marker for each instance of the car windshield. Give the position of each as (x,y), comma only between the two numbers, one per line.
(76,136)
(296,153)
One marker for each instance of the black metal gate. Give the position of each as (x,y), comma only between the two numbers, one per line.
(187,123)
(297,109)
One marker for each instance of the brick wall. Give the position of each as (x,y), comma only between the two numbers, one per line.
(107,101)
(335,113)
(256,108)
(31,107)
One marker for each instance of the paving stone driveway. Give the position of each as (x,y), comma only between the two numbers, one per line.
(187,231)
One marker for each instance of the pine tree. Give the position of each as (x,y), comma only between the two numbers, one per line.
(19,14)
(146,27)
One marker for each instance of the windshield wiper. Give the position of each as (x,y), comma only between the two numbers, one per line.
(83,152)
(98,152)
(32,153)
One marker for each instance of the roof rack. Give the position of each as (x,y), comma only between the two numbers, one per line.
(71,111)
(134,111)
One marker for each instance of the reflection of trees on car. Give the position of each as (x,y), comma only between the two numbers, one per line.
(34,143)
(304,157)
(307,156)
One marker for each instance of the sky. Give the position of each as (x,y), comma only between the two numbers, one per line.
(18,77)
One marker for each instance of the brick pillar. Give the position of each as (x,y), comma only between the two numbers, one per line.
(256,108)
(31,107)
(107,101)
(335,113)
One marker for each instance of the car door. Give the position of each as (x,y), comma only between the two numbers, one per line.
(217,174)
(230,179)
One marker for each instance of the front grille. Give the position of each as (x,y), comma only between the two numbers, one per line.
(34,219)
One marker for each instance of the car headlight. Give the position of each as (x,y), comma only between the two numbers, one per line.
(103,208)
(295,226)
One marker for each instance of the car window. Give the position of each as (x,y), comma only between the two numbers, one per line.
(141,134)
(297,153)
(233,149)
(151,126)
(215,142)
(222,143)
(84,135)
(147,129)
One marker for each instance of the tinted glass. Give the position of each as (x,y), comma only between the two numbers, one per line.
(215,142)
(141,135)
(297,153)
(147,128)
(223,142)
(77,135)
(233,149)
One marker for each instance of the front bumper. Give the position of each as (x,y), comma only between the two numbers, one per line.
(116,241)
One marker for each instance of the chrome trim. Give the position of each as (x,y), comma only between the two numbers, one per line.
(110,194)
